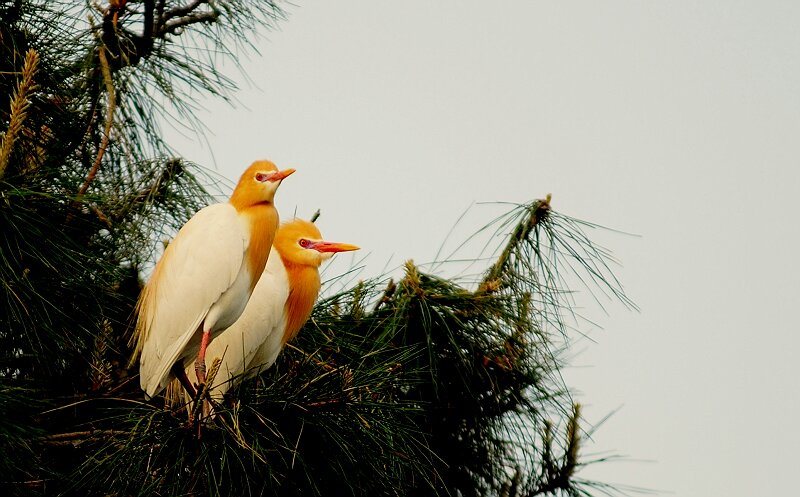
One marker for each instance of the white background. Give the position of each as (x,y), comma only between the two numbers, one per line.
(678,121)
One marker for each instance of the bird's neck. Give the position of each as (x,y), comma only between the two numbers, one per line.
(304,284)
(262,220)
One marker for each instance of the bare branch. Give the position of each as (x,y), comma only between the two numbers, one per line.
(183,11)
(205,17)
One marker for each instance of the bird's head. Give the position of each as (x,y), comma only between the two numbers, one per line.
(300,242)
(258,184)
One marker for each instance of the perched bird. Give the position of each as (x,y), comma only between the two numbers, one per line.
(205,277)
(281,303)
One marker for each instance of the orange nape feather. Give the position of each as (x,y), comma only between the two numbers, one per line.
(262,219)
(303,292)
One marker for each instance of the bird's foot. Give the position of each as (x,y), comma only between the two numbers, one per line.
(198,390)
(201,406)
(198,397)
(200,371)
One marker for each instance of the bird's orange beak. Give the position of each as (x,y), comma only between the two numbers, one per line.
(334,247)
(279,175)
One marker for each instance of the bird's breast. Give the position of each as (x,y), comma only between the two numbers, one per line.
(304,285)
(261,223)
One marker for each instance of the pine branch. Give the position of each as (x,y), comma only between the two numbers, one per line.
(127,48)
(537,212)
(172,27)
(555,476)
(183,11)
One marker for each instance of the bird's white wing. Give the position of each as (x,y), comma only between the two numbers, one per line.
(197,267)
(261,323)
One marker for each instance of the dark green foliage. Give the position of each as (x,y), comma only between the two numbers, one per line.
(18,431)
(424,386)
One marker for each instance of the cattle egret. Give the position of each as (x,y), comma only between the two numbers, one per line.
(281,303)
(202,282)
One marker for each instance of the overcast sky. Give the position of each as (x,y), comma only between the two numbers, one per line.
(678,121)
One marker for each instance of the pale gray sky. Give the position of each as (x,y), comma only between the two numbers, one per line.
(676,120)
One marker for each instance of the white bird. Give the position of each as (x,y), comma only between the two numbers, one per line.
(203,281)
(281,303)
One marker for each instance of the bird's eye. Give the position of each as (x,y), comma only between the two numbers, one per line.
(304,243)
(261,177)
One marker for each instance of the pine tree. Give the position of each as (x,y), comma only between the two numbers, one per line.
(424,386)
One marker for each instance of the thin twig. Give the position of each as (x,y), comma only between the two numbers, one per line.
(75,438)
(84,434)
(112,103)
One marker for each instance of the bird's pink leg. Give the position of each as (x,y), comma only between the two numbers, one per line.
(200,370)
(200,363)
